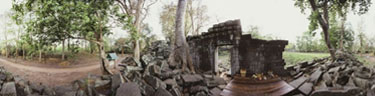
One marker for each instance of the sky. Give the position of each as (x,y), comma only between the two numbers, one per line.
(278,18)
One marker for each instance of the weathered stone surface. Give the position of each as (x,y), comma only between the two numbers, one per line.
(170,82)
(146,89)
(155,82)
(196,89)
(169,74)
(363,83)
(162,92)
(306,88)
(146,59)
(175,91)
(9,89)
(81,93)
(102,86)
(165,66)
(116,81)
(215,81)
(128,89)
(130,61)
(154,70)
(342,79)
(201,94)
(61,90)
(215,91)
(346,91)
(71,93)
(48,92)
(316,75)
(187,78)
(37,88)
(298,82)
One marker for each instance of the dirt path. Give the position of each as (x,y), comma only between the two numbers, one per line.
(50,76)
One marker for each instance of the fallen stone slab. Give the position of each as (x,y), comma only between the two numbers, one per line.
(128,89)
(215,92)
(162,92)
(9,89)
(196,89)
(306,88)
(154,82)
(213,82)
(316,76)
(189,79)
(116,81)
(330,91)
(298,82)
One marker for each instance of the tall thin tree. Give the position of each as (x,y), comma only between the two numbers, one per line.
(181,53)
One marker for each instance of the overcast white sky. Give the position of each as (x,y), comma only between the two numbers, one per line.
(275,17)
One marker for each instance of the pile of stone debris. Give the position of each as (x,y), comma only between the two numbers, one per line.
(346,76)
(16,86)
(153,76)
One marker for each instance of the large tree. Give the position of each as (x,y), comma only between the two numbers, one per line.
(138,10)
(181,54)
(195,18)
(320,10)
(53,21)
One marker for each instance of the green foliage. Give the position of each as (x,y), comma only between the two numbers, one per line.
(195,18)
(50,22)
(292,58)
(335,36)
(255,33)
(324,12)
(307,43)
(124,45)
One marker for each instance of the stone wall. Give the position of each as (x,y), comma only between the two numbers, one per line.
(261,56)
(254,55)
(203,46)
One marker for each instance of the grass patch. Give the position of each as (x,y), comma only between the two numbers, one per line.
(365,60)
(292,58)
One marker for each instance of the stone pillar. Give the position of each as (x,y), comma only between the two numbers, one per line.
(216,60)
(234,60)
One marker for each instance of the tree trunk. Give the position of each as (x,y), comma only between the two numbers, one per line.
(181,53)
(6,44)
(137,24)
(191,14)
(40,55)
(324,24)
(100,44)
(23,52)
(342,34)
(63,50)
(123,51)
(104,61)
(136,53)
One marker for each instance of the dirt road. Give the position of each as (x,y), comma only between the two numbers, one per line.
(50,76)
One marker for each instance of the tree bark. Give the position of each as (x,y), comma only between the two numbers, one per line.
(181,52)
(100,44)
(122,51)
(342,33)
(40,55)
(324,24)
(138,27)
(23,52)
(63,50)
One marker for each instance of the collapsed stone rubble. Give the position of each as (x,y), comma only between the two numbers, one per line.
(345,76)
(152,76)
(159,78)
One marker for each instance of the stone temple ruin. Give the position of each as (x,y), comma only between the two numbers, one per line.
(247,55)
(253,55)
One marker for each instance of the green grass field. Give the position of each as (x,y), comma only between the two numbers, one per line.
(292,58)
